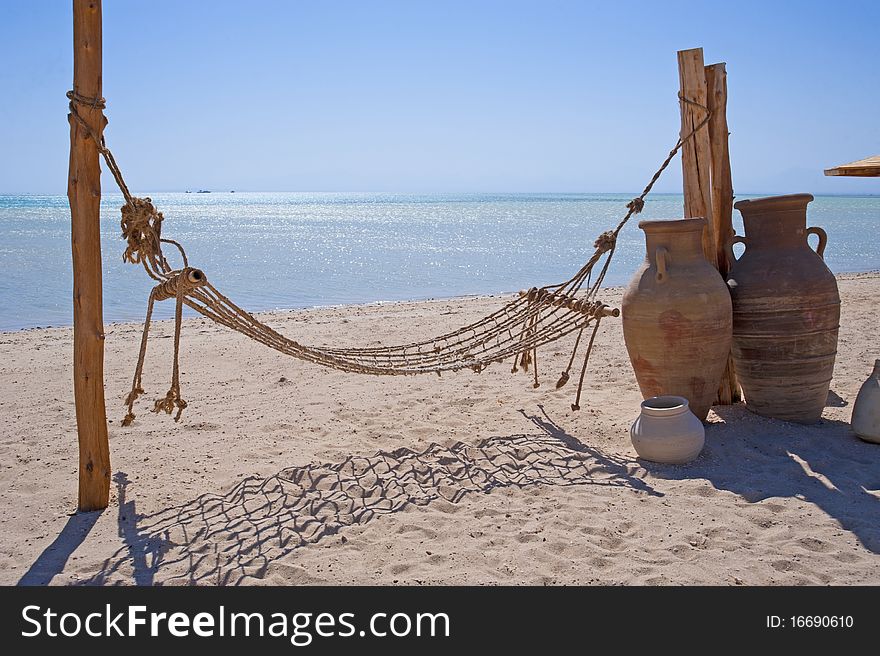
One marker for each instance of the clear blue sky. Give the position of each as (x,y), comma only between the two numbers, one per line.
(441,96)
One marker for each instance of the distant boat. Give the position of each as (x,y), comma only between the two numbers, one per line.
(203,191)
(187,191)
(232,191)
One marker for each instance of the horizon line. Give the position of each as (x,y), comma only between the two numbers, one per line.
(435,192)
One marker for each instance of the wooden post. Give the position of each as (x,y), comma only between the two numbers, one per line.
(722,196)
(695,154)
(84,194)
(722,186)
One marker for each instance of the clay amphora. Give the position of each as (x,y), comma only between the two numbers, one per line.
(866,411)
(676,316)
(786,310)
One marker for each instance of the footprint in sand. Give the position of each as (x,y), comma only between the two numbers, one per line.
(814,544)
(201,426)
(413,528)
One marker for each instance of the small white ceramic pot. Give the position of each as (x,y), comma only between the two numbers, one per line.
(667,431)
(866,411)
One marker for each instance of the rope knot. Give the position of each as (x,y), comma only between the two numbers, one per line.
(135,392)
(133,395)
(605,242)
(636,205)
(169,402)
(142,229)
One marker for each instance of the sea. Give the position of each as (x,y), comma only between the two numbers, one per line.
(297,250)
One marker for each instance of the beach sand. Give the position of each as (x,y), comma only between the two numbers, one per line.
(281,472)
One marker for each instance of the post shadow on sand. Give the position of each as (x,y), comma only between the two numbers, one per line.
(54,557)
(224,539)
(143,552)
(824,464)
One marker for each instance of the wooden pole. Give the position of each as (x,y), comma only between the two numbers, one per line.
(695,154)
(722,186)
(722,196)
(84,194)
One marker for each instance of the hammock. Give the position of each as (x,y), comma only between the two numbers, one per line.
(535,318)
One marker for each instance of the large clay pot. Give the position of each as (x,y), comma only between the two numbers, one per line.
(676,316)
(786,310)
(866,411)
(667,431)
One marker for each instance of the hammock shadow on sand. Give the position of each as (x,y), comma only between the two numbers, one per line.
(225,539)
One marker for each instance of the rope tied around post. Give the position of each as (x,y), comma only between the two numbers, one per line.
(98,104)
(92,103)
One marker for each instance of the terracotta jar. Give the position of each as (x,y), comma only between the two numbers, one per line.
(667,431)
(866,411)
(786,310)
(676,316)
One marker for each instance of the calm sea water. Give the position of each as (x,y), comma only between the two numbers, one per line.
(291,250)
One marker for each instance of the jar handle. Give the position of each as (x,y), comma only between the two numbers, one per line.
(734,239)
(660,255)
(823,240)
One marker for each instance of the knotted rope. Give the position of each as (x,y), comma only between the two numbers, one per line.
(535,318)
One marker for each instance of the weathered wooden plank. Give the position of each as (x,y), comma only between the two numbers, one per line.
(722,197)
(863,168)
(695,154)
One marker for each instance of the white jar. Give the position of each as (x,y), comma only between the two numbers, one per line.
(866,411)
(667,431)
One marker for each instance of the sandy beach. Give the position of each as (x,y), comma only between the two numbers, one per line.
(281,472)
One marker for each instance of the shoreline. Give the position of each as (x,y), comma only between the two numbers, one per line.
(843,275)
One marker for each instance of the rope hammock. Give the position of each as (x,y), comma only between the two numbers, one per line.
(536,317)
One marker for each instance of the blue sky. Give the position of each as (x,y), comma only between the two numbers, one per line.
(441,96)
